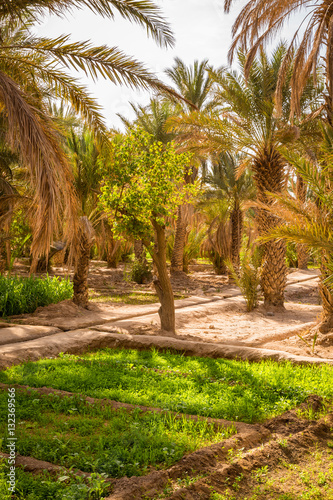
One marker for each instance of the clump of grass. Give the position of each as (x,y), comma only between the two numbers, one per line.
(94,438)
(247,276)
(44,486)
(24,295)
(220,388)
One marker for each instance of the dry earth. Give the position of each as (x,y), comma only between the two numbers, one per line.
(287,458)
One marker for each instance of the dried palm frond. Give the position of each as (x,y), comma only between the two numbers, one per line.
(260,20)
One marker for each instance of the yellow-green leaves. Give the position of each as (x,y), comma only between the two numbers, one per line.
(145,183)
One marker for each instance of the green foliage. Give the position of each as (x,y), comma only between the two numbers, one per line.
(140,271)
(45,486)
(24,295)
(144,183)
(291,254)
(247,277)
(220,388)
(98,438)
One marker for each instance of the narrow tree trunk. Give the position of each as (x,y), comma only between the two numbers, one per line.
(236,218)
(326,295)
(162,283)
(269,177)
(179,244)
(302,252)
(138,249)
(329,72)
(2,257)
(80,280)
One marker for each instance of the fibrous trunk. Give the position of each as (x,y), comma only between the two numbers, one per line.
(326,295)
(302,252)
(139,252)
(270,177)
(236,218)
(162,282)
(80,280)
(112,248)
(179,244)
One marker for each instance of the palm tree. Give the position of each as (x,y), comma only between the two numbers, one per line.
(310,222)
(259,20)
(33,68)
(194,84)
(236,189)
(246,122)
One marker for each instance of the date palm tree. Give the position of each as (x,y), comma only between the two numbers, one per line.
(246,122)
(33,69)
(194,84)
(310,222)
(260,20)
(227,185)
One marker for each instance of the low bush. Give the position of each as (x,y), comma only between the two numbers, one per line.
(24,295)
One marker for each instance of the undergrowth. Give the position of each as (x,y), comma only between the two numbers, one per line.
(93,438)
(24,295)
(230,389)
(46,486)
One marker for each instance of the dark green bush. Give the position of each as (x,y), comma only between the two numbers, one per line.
(24,295)
(141,271)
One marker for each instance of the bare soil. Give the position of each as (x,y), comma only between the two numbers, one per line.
(286,458)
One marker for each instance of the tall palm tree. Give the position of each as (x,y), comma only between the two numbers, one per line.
(259,20)
(246,122)
(226,184)
(33,68)
(310,222)
(194,84)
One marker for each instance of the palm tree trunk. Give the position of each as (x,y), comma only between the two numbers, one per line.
(162,283)
(179,244)
(329,72)
(236,218)
(269,177)
(326,295)
(302,253)
(111,251)
(80,280)
(139,250)
(2,257)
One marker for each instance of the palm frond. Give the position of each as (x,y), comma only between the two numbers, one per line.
(143,12)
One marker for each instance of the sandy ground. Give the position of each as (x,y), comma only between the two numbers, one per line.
(214,312)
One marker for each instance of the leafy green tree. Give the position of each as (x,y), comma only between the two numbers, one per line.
(142,190)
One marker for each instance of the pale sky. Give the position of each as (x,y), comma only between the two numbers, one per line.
(200,27)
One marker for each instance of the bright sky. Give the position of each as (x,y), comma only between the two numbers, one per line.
(201,29)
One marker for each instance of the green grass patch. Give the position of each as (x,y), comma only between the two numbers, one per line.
(24,295)
(235,390)
(94,438)
(45,486)
(130,298)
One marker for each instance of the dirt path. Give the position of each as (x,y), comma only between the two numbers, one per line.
(216,325)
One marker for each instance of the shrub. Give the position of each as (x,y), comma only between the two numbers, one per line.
(247,277)
(24,295)
(141,271)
